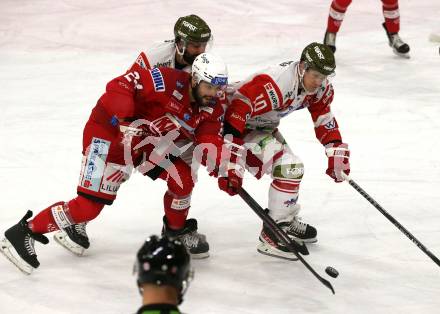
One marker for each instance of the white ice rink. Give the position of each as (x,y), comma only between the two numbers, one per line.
(57,56)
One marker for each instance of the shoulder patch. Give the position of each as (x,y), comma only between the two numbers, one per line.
(159,83)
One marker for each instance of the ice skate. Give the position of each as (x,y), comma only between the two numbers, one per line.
(399,47)
(330,40)
(296,230)
(18,245)
(73,238)
(195,242)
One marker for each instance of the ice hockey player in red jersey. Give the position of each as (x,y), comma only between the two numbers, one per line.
(138,111)
(253,116)
(391,25)
(191,37)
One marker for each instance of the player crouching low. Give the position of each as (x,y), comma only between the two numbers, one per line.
(252,119)
(158,97)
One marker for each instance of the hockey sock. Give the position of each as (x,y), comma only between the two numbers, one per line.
(61,215)
(176,210)
(392,16)
(336,15)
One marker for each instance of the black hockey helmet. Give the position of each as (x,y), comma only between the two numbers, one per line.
(192,28)
(319,57)
(163,261)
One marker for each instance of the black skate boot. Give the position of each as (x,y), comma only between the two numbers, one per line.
(18,245)
(296,230)
(400,48)
(73,238)
(194,242)
(330,40)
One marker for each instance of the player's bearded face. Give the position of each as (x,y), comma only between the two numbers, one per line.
(205,93)
(192,50)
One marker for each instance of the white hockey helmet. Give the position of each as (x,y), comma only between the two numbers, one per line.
(211,69)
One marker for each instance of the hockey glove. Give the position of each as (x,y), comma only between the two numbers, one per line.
(338,160)
(231,168)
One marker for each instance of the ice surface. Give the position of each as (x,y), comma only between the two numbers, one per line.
(55,59)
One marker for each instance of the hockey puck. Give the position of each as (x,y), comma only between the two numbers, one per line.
(332,272)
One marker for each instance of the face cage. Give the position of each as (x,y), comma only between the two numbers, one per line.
(222,87)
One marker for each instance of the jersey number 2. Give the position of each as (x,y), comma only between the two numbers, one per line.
(134,77)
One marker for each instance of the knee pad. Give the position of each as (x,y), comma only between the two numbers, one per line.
(290,171)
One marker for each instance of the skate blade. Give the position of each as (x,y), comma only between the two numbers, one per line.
(268,250)
(9,252)
(402,55)
(63,239)
(302,241)
(199,255)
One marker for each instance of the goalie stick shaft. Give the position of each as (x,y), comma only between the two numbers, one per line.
(392,219)
(281,235)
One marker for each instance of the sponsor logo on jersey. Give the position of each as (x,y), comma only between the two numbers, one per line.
(237,117)
(330,125)
(179,84)
(141,62)
(166,64)
(207,109)
(174,105)
(95,164)
(159,84)
(177,94)
(270,90)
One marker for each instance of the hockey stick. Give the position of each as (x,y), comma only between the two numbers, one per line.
(282,236)
(391,218)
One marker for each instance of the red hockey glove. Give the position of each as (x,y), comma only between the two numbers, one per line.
(232,183)
(338,160)
(231,167)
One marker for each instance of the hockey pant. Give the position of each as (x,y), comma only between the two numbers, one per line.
(268,153)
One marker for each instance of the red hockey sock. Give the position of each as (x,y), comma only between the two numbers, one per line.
(336,15)
(176,210)
(61,214)
(391,14)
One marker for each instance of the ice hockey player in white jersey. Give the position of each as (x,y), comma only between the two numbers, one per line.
(192,36)
(253,116)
